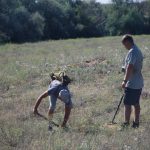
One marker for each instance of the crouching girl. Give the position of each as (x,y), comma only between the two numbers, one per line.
(57,90)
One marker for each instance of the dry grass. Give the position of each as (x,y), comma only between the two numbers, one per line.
(95,66)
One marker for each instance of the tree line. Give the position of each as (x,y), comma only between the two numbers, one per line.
(35,20)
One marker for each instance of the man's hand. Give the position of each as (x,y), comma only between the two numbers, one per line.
(128,75)
(124,84)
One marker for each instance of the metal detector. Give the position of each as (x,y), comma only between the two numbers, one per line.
(117,109)
(112,123)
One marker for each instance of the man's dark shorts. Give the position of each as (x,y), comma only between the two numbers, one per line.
(132,96)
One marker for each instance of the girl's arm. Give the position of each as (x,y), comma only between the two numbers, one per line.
(44,95)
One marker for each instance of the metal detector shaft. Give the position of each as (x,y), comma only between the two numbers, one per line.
(118,108)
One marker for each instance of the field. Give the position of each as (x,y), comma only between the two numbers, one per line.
(95,66)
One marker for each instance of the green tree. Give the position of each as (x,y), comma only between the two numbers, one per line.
(32,20)
(124,17)
(89,19)
(144,7)
(6,8)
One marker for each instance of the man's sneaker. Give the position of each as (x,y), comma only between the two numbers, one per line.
(135,125)
(125,125)
(50,127)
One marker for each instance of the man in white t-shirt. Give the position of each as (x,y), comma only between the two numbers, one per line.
(133,80)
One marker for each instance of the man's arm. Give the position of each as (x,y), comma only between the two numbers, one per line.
(44,95)
(128,74)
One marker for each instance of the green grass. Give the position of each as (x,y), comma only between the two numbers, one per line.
(94,64)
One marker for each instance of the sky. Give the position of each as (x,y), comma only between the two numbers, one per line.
(104,1)
(108,1)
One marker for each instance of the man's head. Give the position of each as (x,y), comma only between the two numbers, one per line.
(127,41)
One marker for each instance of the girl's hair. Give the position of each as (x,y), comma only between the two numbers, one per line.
(66,80)
(56,76)
(53,77)
(61,77)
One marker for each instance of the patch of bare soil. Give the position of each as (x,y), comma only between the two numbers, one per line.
(88,63)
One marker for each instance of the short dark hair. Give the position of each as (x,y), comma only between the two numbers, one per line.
(127,37)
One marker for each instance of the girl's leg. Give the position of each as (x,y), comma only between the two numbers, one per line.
(52,106)
(67,114)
